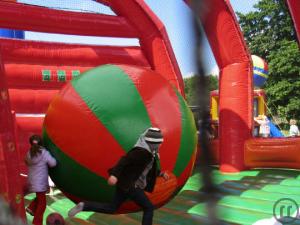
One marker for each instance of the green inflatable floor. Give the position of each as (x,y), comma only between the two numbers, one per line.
(243,198)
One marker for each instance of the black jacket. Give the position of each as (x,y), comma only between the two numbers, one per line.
(130,167)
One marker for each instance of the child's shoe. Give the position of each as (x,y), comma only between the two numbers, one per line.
(76,209)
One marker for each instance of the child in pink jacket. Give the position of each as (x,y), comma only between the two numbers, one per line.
(38,159)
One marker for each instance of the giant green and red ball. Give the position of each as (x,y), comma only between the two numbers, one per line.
(98,116)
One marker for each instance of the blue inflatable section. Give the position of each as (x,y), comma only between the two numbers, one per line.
(259,81)
(12,33)
(274,131)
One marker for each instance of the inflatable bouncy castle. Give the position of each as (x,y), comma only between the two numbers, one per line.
(141,87)
(41,80)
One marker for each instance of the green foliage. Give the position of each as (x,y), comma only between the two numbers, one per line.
(190,87)
(269,33)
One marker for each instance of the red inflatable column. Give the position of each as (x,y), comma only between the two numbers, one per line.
(235,127)
(236,88)
(10,186)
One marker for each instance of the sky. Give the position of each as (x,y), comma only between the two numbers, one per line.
(174,14)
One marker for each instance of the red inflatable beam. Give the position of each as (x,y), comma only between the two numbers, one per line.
(30,123)
(40,76)
(33,52)
(272,153)
(27,125)
(10,185)
(236,88)
(34,18)
(31,101)
(153,38)
(294,8)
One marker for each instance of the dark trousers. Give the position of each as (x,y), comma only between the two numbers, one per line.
(135,194)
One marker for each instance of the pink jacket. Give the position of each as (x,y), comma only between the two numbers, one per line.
(38,170)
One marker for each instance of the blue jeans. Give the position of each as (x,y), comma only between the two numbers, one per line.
(135,194)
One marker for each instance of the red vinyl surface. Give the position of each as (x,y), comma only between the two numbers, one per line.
(236,88)
(135,20)
(294,8)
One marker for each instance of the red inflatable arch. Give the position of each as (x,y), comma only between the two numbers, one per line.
(32,72)
(236,148)
(234,61)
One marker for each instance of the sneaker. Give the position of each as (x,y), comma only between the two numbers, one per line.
(76,209)
(29,211)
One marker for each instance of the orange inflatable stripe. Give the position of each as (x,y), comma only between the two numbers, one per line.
(168,115)
(92,139)
(163,191)
(273,153)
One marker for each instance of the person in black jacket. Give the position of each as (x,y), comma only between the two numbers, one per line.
(135,173)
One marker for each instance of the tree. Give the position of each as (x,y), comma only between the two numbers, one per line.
(269,33)
(190,87)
